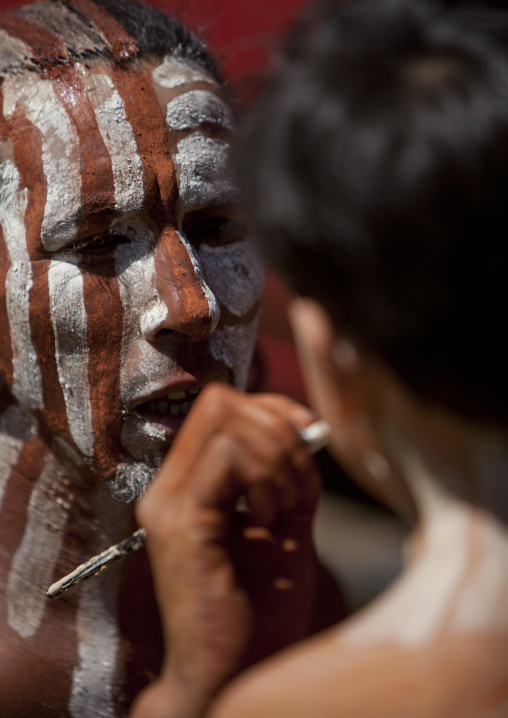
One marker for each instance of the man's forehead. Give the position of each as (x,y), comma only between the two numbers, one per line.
(86,118)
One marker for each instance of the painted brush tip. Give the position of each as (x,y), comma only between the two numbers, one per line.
(316,435)
(98,564)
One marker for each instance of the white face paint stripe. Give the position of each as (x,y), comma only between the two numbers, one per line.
(194,108)
(173,73)
(234,346)
(68,316)
(204,175)
(99,644)
(135,269)
(16,428)
(27,387)
(153,318)
(63,177)
(213,306)
(120,141)
(241,264)
(12,51)
(37,555)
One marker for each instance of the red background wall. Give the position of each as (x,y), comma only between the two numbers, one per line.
(242,34)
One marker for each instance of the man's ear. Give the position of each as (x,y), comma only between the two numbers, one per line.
(346,387)
(331,363)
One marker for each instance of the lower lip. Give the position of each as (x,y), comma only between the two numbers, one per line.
(170,424)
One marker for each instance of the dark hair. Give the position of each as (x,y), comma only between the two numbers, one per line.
(80,27)
(376,172)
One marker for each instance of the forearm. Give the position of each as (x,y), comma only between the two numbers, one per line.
(232,587)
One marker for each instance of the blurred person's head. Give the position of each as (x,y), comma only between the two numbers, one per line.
(376,170)
(126,279)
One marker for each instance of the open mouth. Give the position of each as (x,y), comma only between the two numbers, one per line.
(175,404)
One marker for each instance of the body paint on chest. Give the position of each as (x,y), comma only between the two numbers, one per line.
(16,428)
(38,552)
(98,648)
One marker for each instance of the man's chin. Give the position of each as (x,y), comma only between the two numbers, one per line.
(131,480)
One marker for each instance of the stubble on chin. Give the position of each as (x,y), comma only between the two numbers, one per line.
(131,479)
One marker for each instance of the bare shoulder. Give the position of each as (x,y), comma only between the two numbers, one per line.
(328,678)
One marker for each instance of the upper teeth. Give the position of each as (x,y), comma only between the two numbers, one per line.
(177,395)
(164,405)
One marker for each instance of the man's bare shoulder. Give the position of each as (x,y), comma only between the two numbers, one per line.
(330,678)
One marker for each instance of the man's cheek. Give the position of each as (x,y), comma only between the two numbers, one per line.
(236,277)
(234,346)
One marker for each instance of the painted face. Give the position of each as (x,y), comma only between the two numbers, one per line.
(127,281)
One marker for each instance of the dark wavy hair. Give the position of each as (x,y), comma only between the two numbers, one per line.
(376,172)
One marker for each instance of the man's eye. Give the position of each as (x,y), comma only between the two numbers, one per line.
(101,245)
(216,231)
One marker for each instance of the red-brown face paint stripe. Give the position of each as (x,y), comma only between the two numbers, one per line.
(144,114)
(46,46)
(28,157)
(97,183)
(123,47)
(105,330)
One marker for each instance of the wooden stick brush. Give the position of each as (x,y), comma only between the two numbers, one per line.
(315,437)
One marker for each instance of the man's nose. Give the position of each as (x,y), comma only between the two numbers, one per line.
(187,309)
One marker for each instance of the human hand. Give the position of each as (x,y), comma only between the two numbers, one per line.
(233,587)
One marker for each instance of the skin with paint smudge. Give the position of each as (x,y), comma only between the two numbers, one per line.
(128,283)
